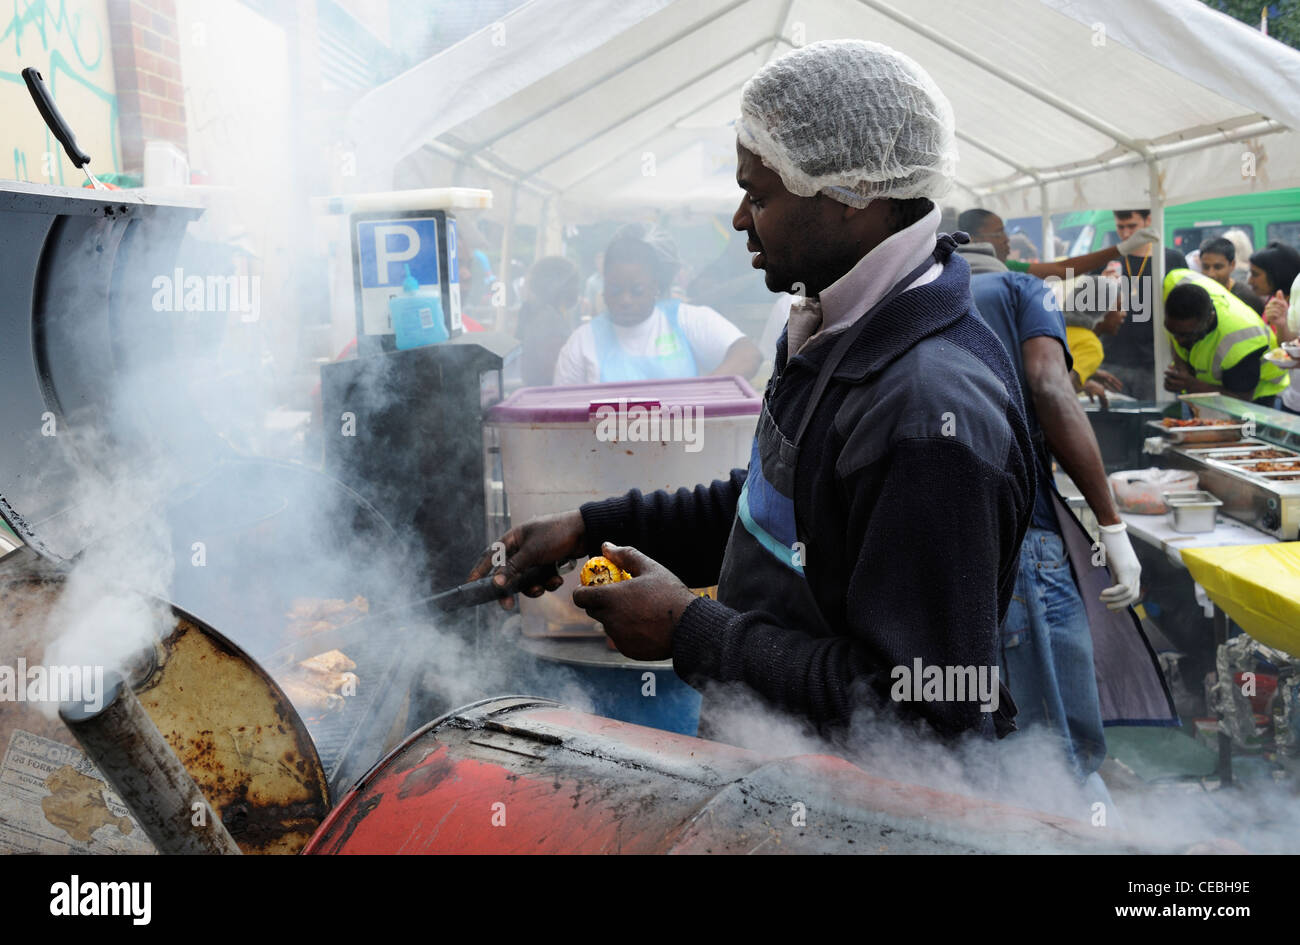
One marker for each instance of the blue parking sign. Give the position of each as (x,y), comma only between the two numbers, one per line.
(386,247)
(453,263)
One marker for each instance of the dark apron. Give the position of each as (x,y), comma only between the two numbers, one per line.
(1130,685)
(762,568)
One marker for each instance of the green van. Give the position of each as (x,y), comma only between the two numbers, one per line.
(1264,217)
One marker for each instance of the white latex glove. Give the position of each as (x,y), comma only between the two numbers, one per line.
(1124,567)
(1130,245)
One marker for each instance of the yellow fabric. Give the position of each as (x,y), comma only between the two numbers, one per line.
(1085,348)
(1235,317)
(1258,586)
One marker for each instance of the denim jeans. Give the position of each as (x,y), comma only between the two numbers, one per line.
(1047,653)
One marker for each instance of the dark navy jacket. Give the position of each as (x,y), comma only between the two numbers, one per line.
(913,490)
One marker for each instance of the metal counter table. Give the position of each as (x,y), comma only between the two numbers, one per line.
(1156,531)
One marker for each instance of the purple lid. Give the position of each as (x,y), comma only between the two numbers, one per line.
(725,396)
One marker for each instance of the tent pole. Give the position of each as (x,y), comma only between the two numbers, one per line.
(507,236)
(1047,252)
(550,234)
(1051,175)
(1164,354)
(540,247)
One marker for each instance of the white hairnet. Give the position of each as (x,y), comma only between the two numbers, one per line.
(854,119)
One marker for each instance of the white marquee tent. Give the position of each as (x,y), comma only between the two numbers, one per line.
(573,110)
(612,105)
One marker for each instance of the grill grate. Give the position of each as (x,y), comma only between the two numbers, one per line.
(352,739)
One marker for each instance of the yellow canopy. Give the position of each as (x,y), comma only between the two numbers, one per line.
(1258,586)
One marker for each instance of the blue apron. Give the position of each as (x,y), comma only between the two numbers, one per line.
(675,358)
(762,568)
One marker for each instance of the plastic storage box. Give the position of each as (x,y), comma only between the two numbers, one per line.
(563,446)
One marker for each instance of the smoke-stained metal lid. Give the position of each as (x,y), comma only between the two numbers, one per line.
(76,322)
(230,724)
(523,775)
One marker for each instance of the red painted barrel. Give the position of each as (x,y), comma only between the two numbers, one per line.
(520,775)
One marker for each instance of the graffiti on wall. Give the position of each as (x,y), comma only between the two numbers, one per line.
(68,42)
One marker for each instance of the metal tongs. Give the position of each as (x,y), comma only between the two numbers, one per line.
(483,590)
(472,594)
(58,124)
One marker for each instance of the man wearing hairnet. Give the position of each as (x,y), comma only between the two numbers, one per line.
(867,555)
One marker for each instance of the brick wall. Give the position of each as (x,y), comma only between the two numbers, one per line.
(147,69)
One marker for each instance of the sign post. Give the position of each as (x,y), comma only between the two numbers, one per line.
(385,244)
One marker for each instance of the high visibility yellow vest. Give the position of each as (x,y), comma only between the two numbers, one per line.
(1239,332)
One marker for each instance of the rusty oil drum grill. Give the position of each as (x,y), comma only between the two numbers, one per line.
(82,348)
(262,538)
(523,775)
(227,722)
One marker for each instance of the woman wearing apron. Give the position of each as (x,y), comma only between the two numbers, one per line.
(643,334)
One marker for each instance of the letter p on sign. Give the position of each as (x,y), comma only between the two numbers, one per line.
(386,247)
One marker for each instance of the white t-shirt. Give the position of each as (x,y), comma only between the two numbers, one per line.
(708,333)
(1291,396)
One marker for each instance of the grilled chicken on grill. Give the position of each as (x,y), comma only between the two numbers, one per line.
(311,697)
(334,661)
(320,684)
(310,615)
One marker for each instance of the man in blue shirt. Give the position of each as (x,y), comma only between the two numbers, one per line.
(1047,646)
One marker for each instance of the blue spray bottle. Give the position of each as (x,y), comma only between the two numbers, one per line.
(417,317)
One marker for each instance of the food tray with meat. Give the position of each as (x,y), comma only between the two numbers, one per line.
(1199,431)
(1251,456)
(1273,466)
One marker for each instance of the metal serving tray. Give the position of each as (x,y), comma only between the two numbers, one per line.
(1192,511)
(1267,501)
(1201,434)
(1246,453)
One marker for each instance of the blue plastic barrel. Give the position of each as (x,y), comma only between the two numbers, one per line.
(643,693)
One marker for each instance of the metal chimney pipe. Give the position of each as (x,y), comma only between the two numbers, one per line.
(128,749)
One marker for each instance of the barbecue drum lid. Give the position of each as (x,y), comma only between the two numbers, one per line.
(82,348)
(87,378)
(232,728)
(563,781)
